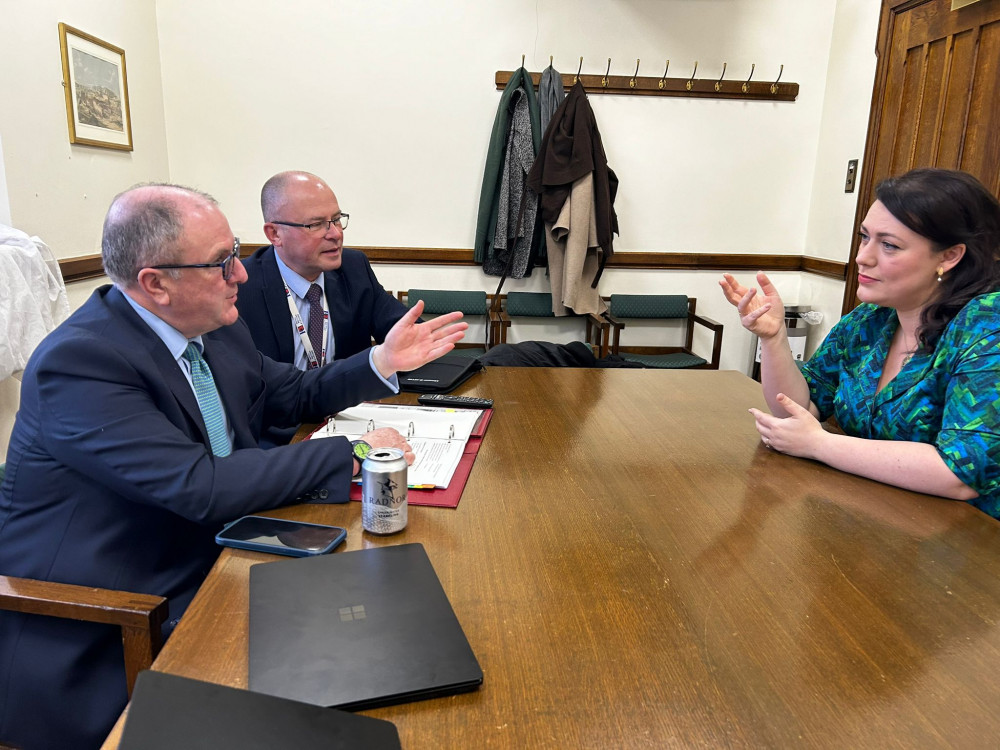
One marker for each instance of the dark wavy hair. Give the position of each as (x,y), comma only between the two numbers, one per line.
(949,208)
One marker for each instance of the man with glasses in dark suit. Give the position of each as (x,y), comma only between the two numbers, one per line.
(309,300)
(137,439)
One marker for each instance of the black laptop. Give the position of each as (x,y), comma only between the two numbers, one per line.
(169,712)
(356,630)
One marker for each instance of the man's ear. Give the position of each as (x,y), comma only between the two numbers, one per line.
(151,282)
(271,232)
(951,256)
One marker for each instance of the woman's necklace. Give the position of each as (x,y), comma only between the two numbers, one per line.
(909,353)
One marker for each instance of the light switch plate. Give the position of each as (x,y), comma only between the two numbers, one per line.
(852,175)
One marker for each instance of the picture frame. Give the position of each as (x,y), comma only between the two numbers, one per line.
(96,86)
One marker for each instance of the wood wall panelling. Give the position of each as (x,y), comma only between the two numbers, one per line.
(89,266)
(82,267)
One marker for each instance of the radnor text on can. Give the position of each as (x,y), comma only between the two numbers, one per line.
(383,491)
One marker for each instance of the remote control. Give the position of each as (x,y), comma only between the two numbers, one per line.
(459,402)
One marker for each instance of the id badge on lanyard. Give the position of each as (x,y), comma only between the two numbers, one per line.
(311,358)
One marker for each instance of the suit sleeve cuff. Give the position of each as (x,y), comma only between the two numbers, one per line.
(392,383)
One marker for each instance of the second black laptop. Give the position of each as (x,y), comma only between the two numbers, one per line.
(168,712)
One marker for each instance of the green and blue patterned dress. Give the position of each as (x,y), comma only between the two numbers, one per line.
(949,398)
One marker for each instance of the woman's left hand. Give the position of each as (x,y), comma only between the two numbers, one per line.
(797,434)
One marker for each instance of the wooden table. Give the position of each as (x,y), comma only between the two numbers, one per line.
(634,569)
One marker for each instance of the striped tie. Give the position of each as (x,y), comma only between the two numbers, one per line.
(208,401)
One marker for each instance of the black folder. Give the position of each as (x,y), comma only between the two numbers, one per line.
(443,375)
(356,630)
(168,712)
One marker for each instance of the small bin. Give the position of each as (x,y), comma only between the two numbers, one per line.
(798,333)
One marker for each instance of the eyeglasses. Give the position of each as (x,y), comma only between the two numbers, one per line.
(226,265)
(318,226)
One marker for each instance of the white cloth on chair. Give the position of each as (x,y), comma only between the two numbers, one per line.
(33,297)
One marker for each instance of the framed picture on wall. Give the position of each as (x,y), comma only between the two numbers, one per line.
(96,90)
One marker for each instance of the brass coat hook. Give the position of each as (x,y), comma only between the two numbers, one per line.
(774,86)
(718,84)
(663,78)
(577,76)
(690,83)
(522,61)
(604,81)
(746,86)
(631,83)
(550,61)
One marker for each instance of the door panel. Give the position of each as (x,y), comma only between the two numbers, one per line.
(981,155)
(936,100)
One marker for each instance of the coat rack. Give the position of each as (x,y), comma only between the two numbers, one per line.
(774,90)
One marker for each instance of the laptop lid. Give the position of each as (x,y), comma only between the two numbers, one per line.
(169,712)
(356,630)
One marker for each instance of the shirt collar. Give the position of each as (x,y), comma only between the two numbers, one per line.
(298,285)
(175,341)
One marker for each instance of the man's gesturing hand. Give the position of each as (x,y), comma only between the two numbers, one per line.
(410,344)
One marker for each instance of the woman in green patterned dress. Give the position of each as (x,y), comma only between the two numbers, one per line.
(912,374)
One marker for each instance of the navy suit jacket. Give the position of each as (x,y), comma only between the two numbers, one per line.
(360,309)
(111,482)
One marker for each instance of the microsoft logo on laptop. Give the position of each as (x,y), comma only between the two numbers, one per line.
(357,612)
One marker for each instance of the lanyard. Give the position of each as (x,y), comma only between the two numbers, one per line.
(313,362)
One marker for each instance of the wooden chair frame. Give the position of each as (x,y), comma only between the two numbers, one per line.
(598,334)
(692,318)
(140,616)
(493,328)
(597,331)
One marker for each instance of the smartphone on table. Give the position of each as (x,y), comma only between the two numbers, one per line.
(281,537)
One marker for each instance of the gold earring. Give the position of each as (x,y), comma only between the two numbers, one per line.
(940,273)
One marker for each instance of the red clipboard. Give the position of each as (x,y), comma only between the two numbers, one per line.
(447,497)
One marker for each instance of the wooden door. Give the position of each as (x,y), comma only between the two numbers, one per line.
(936,101)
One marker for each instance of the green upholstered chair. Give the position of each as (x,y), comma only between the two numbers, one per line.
(529,304)
(140,616)
(539,305)
(440,301)
(665,307)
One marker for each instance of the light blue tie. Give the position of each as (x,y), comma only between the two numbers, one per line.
(209,402)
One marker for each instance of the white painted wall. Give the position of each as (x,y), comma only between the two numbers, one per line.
(843,127)
(60,191)
(393,103)
(80,291)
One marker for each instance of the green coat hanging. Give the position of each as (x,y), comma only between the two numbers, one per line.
(495,158)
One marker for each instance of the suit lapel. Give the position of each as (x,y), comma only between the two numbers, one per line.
(167,367)
(277,306)
(338,298)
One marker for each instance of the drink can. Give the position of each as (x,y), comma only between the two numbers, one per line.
(383,491)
